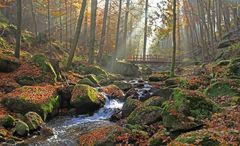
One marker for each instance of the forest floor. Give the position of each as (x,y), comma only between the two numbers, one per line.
(199,106)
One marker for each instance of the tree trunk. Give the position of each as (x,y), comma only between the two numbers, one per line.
(103,35)
(19,25)
(118,29)
(34,18)
(77,34)
(66,24)
(49,21)
(92,31)
(145,31)
(125,29)
(174,39)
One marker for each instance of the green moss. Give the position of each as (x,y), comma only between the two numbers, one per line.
(45,65)
(154,101)
(33,120)
(123,85)
(85,98)
(92,78)
(86,81)
(129,106)
(145,115)
(195,104)
(22,128)
(8,121)
(220,89)
(96,70)
(23,106)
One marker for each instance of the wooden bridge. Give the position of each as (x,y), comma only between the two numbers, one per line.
(151,59)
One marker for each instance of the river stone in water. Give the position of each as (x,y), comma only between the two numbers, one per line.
(145,115)
(22,128)
(113,92)
(33,120)
(154,101)
(86,99)
(129,106)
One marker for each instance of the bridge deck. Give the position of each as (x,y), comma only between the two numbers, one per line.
(150,59)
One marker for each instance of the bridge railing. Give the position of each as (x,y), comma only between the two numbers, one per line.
(149,58)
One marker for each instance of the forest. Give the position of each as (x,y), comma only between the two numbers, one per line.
(120,72)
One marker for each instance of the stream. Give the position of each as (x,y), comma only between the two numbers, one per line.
(67,129)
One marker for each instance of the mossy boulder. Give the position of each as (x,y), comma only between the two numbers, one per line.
(92,78)
(28,81)
(113,91)
(158,77)
(129,106)
(42,61)
(104,136)
(222,88)
(173,81)
(234,68)
(205,137)
(87,81)
(187,109)
(8,62)
(8,121)
(96,70)
(145,115)
(123,85)
(162,137)
(40,99)
(126,69)
(21,128)
(33,120)
(86,99)
(154,101)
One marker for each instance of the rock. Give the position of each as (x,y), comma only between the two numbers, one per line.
(126,69)
(145,115)
(8,121)
(65,94)
(28,81)
(234,68)
(129,106)
(92,78)
(117,115)
(154,101)
(40,99)
(96,70)
(41,61)
(186,110)
(113,92)
(162,137)
(222,88)
(8,62)
(158,77)
(163,92)
(132,93)
(33,120)
(230,38)
(123,85)
(203,137)
(21,128)
(172,81)
(145,70)
(86,99)
(87,81)
(100,136)
(46,131)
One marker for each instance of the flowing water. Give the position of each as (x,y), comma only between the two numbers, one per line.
(67,129)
